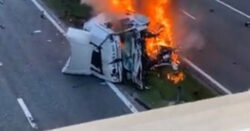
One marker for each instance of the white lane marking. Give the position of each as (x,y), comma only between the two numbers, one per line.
(27,113)
(50,18)
(232,8)
(188,14)
(207,76)
(122,97)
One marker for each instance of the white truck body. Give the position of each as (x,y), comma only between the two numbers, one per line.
(99,50)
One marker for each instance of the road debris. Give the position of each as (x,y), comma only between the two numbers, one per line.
(36,32)
(1,2)
(211,10)
(1,64)
(247,24)
(49,41)
(2,27)
(42,15)
(235,63)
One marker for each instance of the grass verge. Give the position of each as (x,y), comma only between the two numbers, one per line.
(71,11)
(163,92)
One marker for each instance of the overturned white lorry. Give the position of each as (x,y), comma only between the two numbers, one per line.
(113,50)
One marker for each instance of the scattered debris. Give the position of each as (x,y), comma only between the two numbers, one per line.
(211,10)
(42,15)
(1,2)
(36,32)
(2,27)
(49,41)
(147,87)
(1,64)
(247,24)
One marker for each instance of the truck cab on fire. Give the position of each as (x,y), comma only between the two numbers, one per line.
(111,49)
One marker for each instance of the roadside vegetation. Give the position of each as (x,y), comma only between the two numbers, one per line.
(163,92)
(70,11)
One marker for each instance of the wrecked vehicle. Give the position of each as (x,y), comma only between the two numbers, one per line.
(114,50)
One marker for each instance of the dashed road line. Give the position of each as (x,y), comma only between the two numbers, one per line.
(122,97)
(233,8)
(27,113)
(208,77)
(188,14)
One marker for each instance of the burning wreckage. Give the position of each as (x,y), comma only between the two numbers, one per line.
(115,50)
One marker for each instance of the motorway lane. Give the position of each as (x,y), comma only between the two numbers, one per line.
(31,70)
(11,116)
(225,55)
(243,5)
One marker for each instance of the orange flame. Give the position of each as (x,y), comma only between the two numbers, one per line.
(123,5)
(176,77)
(175,58)
(161,23)
(159,13)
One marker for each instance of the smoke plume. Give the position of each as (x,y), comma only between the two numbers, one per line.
(104,6)
(187,36)
(184,36)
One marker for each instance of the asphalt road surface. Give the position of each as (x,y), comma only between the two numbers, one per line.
(30,64)
(225,54)
(32,53)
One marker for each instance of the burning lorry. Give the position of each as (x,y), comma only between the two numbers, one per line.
(114,49)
